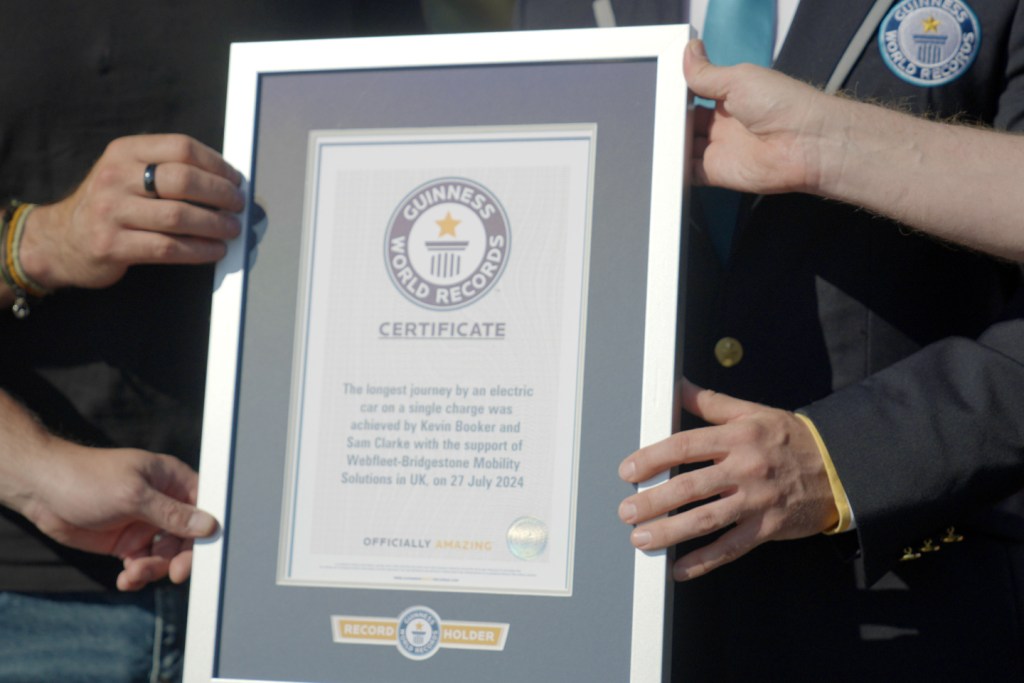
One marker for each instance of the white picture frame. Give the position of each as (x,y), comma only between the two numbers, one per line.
(616,617)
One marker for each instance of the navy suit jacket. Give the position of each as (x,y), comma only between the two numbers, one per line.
(908,354)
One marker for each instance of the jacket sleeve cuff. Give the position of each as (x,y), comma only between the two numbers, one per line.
(842,502)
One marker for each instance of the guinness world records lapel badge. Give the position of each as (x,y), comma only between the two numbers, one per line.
(929,42)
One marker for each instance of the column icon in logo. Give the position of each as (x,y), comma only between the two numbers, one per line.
(446,255)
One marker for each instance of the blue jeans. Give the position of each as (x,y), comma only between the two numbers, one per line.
(93,637)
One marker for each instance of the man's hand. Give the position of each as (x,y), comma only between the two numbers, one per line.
(765,134)
(765,476)
(111,222)
(132,504)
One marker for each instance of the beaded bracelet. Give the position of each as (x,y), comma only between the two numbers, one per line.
(20,308)
(12,229)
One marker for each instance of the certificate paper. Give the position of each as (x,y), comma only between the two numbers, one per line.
(434,427)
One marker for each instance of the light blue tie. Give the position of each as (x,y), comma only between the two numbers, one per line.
(735,31)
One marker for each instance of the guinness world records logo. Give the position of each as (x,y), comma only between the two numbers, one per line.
(447,243)
(929,42)
(419,633)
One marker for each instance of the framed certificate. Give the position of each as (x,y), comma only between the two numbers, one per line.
(451,317)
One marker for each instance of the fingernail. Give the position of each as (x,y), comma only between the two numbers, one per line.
(697,45)
(627,513)
(641,539)
(627,470)
(201,524)
(681,573)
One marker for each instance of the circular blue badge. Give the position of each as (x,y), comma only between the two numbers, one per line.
(419,633)
(929,42)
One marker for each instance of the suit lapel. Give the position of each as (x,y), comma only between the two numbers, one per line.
(820,32)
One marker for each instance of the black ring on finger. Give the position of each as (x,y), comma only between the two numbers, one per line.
(149,180)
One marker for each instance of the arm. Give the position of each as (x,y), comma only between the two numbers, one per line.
(917,447)
(109,501)
(110,222)
(772,134)
(929,441)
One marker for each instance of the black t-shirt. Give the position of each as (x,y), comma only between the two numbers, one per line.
(123,366)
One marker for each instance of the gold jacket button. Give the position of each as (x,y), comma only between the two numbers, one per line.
(728,351)
(952,536)
(909,555)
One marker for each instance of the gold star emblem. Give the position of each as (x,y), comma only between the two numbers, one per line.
(931,25)
(447,225)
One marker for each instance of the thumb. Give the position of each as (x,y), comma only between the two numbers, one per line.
(713,407)
(169,504)
(176,517)
(702,77)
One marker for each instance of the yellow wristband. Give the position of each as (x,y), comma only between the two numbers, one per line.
(838,493)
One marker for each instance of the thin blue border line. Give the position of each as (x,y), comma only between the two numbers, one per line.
(382,143)
(581,370)
(305,361)
(315,210)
